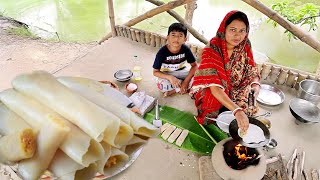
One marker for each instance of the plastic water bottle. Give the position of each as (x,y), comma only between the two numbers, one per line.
(137,76)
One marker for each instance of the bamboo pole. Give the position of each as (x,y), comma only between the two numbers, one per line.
(149,14)
(282,76)
(111,17)
(148,37)
(190,7)
(274,74)
(291,80)
(142,37)
(153,40)
(137,32)
(194,32)
(298,32)
(158,40)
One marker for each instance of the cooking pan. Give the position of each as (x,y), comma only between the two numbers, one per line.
(304,111)
(233,129)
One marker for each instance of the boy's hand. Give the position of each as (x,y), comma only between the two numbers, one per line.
(175,82)
(184,87)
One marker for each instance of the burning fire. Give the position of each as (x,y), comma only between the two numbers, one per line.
(242,153)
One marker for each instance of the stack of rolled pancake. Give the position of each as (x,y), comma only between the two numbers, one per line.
(67,126)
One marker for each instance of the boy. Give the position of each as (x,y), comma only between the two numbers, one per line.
(171,60)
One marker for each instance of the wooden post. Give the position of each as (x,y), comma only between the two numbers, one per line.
(194,32)
(153,40)
(163,40)
(148,37)
(274,74)
(158,40)
(190,7)
(133,35)
(299,33)
(137,32)
(291,80)
(282,76)
(111,17)
(142,37)
(151,13)
(118,31)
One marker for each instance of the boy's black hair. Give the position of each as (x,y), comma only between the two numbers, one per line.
(240,16)
(178,27)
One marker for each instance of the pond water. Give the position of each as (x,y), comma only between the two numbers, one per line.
(87,20)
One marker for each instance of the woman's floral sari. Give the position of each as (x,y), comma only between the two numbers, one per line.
(234,75)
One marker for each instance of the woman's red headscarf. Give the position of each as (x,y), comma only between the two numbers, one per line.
(217,69)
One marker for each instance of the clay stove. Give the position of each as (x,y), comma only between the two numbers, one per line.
(250,166)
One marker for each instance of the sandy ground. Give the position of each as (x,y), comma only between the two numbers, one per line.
(158,160)
(23,54)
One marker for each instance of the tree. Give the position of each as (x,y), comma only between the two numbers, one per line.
(304,15)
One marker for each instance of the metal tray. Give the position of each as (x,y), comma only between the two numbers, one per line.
(270,96)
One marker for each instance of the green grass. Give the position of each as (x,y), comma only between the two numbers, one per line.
(21,31)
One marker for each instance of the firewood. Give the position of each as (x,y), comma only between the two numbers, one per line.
(296,166)
(314,174)
(302,162)
(305,174)
(290,163)
(278,175)
(272,160)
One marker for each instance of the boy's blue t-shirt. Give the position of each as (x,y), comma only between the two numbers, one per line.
(167,61)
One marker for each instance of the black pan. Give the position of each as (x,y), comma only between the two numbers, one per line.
(233,130)
(304,111)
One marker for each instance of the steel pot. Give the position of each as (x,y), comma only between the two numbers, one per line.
(309,90)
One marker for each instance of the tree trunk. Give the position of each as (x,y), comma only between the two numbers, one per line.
(181,20)
(299,33)
(151,13)
(190,7)
(111,17)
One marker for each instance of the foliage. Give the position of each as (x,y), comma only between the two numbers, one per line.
(21,31)
(305,15)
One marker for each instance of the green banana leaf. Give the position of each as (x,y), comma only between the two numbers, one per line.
(198,139)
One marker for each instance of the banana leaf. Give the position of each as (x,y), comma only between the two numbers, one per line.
(198,139)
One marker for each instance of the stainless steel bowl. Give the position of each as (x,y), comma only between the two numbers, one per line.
(304,111)
(310,91)
(123,75)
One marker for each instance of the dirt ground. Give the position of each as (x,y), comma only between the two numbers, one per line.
(23,54)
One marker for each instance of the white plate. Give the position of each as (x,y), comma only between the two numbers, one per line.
(225,117)
(270,95)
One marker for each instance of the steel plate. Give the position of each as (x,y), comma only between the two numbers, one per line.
(270,95)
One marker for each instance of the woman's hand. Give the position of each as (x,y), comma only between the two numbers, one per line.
(255,88)
(176,83)
(242,120)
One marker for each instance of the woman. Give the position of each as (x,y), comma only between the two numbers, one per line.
(227,73)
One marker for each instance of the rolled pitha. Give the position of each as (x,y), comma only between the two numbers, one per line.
(84,88)
(48,141)
(10,122)
(77,144)
(92,119)
(17,146)
(64,168)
